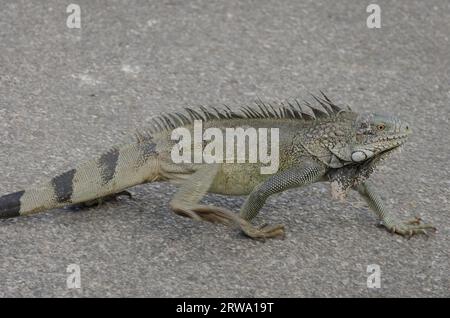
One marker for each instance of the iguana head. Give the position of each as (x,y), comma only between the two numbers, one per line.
(372,135)
(372,138)
(376,134)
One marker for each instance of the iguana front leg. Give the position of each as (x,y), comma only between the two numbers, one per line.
(186,203)
(415,226)
(300,175)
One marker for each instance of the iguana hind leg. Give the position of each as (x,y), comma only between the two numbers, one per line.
(409,228)
(185,203)
(192,190)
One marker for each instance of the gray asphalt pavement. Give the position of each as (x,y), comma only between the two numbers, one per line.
(68,94)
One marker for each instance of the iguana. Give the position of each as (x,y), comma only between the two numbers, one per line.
(324,142)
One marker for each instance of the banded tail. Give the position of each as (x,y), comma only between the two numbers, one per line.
(112,172)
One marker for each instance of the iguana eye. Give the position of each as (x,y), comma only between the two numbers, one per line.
(381,126)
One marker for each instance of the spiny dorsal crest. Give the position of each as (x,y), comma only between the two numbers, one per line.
(288,109)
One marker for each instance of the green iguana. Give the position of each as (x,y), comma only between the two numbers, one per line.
(321,143)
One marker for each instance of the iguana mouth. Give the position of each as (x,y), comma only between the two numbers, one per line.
(394,142)
(394,137)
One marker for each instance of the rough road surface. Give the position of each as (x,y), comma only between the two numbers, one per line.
(67,94)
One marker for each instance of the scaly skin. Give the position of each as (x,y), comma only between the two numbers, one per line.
(332,144)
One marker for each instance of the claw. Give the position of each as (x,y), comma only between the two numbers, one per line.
(380,224)
(123,193)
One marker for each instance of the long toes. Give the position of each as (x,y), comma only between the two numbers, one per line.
(428,226)
(409,230)
(422,231)
(189,214)
(418,224)
(214,218)
(416,221)
(275,231)
(264,232)
(422,226)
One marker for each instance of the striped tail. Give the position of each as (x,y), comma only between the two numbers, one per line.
(10,204)
(112,172)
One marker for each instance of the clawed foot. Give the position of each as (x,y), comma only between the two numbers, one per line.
(223,216)
(413,227)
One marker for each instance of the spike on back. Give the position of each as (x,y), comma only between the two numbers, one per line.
(334,108)
(288,109)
